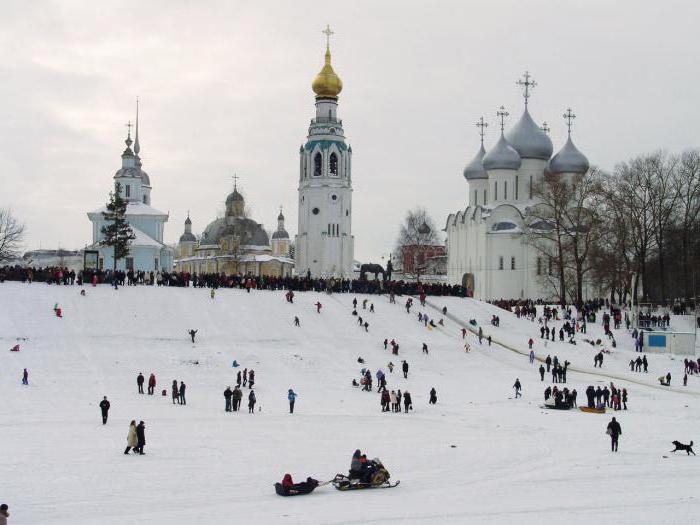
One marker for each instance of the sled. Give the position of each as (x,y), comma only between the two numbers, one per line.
(279,489)
(555,407)
(592,410)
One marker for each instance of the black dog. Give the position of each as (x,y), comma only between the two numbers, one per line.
(681,446)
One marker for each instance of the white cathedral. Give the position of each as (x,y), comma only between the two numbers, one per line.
(486,248)
(324,243)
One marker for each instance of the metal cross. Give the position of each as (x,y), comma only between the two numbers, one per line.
(482,128)
(502,114)
(235,179)
(328,34)
(128,125)
(546,128)
(569,117)
(527,84)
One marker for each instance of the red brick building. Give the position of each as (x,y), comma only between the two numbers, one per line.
(420,259)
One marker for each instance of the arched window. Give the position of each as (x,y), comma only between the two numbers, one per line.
(334,164)
(318,163)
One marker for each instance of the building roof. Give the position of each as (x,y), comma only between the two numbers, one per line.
(280,234)
(501,157)
(135,208)
(475,169)
(188,237)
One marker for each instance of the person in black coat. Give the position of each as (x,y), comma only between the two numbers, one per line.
(175,392)
(183,387)
(548,361)
(404,367)
(141,437)
(433,396)
(251,402)
(614,431)
(407,401)
(227,397)
(104,407)
(139,382)
(192,334)
(590,394)
(541,373)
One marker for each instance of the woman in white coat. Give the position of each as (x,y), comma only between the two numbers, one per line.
(131,439)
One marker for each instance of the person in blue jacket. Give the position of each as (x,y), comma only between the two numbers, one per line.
(291,395)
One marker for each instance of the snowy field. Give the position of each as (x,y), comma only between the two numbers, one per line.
(478,456)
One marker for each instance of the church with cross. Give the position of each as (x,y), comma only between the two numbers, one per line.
(235,244)
(147,251)
(487,246)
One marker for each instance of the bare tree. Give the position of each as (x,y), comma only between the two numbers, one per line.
(688,209)
(11,235)
(416,234)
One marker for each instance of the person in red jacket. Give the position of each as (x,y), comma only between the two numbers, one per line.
(318,307)
(151,384)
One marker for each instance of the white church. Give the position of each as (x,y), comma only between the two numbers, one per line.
(486,248)
(324,243)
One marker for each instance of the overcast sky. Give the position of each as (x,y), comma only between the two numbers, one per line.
(225,87)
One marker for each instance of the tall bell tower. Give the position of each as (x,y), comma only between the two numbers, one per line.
(324,244)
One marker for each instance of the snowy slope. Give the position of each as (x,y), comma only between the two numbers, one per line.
(511,460)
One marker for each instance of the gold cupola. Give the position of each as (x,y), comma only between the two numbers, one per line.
(327,84)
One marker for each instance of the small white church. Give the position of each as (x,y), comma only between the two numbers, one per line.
(486,248)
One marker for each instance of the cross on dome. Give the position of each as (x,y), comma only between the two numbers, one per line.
(482,128)
(546,128)
(328,32)
(527,85)
(235,178)
(502,114)
(569,117)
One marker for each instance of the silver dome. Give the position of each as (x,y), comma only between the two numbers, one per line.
(475,169)
(501,157)
(187,237)
(529,140)
(280,234)
(569,160)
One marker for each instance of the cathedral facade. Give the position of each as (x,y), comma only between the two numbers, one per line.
(486,241)
(324,243)
(147,252)
(235,245)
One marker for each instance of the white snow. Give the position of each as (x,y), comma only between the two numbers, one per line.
(512,461)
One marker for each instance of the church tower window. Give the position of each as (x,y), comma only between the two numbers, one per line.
(317,165)
(484,196)
(531,186)
(495,192)
(539,266)
(128,190)
(516,187)
(512,263)
(334,164)
(500,262)
(505,189)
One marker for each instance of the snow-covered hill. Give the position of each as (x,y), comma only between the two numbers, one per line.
(478,456)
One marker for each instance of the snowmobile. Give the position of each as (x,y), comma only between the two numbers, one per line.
(379,478)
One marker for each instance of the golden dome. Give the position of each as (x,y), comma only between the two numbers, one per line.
(327,83)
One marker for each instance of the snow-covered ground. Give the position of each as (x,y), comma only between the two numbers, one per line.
(478,456)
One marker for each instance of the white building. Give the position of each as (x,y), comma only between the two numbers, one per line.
(324,243)
(147,251)
(485,241)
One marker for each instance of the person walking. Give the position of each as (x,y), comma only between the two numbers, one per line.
(532,357)
(541,372)
(296,321)
(104,408)
(182,393)
(425,348)
(25,377)
(291,397)
(238,378)
(175,392)
(251,378)
(433,396)
(139,382)
(192,334)
(141,437)
(404,367)
(407,401)
(131,438)
(251,402)
(318,306)
(151,384)
(227,397)
(517,386)
(614,431)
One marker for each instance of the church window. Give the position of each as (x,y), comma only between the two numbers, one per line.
(315,211)
(347,212)
(129,263)
(317,165)
(484,197)
(334,197)
(500,262)
(505,189)
(512,263)
(516,187)
(495,191)
(155,265)
(334,164)
(475,199)
(144,200)
(539,266)
(128,190)
(531,186)
(550,266)
(329,228)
